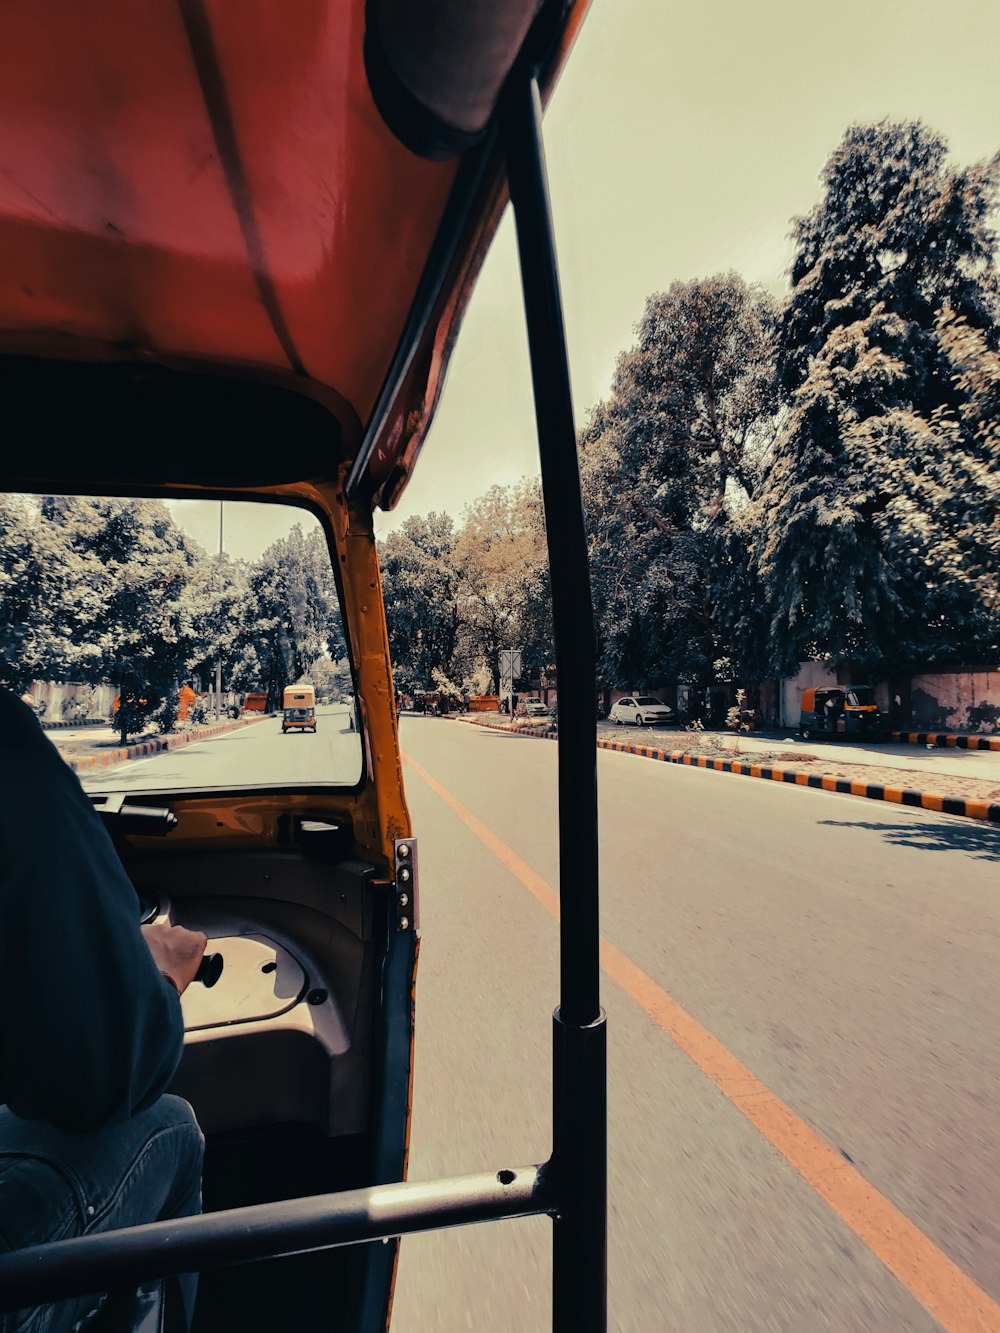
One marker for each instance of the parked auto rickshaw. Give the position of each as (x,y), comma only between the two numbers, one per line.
(298,709)
(840,710)
(256,224)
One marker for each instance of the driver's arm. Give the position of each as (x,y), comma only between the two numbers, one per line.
(90,1031)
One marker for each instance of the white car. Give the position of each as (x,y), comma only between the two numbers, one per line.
(640,709)
(532,708)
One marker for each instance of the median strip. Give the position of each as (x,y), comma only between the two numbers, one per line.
(970,807)
(141,749)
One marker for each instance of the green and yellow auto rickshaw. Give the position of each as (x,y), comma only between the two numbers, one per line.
(848,711)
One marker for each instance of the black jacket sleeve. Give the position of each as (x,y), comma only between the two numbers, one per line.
(89,1030)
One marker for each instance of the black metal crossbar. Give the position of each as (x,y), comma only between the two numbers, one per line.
(119,1259)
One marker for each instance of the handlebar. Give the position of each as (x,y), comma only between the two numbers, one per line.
(210,969)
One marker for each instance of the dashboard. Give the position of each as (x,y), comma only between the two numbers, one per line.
(268,1034)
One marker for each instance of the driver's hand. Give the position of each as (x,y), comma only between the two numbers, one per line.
(176,951)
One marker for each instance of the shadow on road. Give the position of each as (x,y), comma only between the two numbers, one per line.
(977,840)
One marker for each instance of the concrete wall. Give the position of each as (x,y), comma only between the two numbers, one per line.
(956,700)
(934,701)
(812,675)
(66,702)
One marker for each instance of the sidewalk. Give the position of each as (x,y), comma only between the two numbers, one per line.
(917,761)
(977,797)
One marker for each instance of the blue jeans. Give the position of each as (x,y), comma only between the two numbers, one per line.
(54,1185)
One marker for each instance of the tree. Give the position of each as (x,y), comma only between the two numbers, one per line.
(502,587)
(419,587)
(669,465)
(868,549)
(22,623)
(113,580)
(225,614)
(295,610)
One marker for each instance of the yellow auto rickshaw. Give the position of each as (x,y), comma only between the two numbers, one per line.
(254,224)
(298,709)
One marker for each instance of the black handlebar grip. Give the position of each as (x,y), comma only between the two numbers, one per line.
(209,969)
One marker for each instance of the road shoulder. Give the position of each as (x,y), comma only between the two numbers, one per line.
(973,798)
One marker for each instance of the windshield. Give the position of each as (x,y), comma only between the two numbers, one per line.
(863,697)
(156,640)
(648,702)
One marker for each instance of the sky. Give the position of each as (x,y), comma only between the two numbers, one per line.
(248,527)
(681,140)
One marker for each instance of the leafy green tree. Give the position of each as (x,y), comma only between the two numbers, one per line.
(23,631)
(869,549)
(419,586)
(503,594)
(330,678)
(296,613)
(670,462)
(225,615)
(115,577)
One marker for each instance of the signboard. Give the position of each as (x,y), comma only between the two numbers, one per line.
(510,669)
(510,665)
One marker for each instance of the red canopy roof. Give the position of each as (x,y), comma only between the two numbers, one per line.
(203,182)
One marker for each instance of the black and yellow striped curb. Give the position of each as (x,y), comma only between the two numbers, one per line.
(946,739)
(87,722)
(874,791)
(143,748)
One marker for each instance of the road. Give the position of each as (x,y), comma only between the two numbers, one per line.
(255,755)
(846,954)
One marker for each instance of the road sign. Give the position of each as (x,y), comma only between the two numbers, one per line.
(510,665)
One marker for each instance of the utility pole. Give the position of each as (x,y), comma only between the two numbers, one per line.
(218,657)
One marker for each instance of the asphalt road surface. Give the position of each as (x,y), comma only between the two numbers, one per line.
(792,977)
(847,954)
(255,755)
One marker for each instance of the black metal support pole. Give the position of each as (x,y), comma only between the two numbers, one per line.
(579,1160)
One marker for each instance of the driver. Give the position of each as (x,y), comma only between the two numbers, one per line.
(91,1030)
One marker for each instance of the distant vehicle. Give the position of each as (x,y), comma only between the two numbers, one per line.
(255,702)
(640,709)
(299,709)
(532,708)
(484,703)
(842,710)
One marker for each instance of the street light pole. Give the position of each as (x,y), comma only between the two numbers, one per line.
(218,658)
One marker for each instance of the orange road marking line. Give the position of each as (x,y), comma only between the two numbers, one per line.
(957,1302)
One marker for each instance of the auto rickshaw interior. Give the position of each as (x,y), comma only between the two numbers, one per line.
(297,1060)
(239,244)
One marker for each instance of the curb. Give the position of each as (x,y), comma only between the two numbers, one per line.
(946,739)
(144,748)
(873,791)
(87,722)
